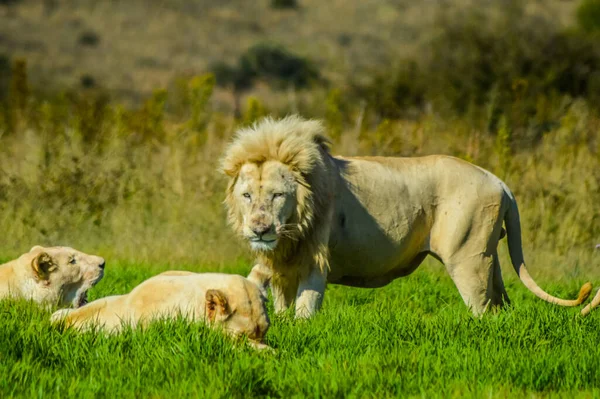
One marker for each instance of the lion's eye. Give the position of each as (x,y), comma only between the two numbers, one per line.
(72,261)
(246,195)
(277,195)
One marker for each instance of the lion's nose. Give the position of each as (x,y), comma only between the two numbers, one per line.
(101,265)
(261,229)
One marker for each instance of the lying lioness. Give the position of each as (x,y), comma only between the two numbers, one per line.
(229,301)
(52,276)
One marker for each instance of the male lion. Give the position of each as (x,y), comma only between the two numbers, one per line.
(229,301)
(52,276)
(313,218)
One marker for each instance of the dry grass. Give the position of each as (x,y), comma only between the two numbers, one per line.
(159,199)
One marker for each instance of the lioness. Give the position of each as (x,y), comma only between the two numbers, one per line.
(313,218)
(52,276)
(229,301)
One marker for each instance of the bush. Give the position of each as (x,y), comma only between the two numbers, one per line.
(269,62)
(89,38)
(277,65)
(284,3)
(4,75)
(588,15)
(233,76)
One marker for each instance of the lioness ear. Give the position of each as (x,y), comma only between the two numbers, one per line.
(217,307)
(43,265)
(36,248)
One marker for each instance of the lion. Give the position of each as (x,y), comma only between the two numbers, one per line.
(312,218)
(51,276)
(229,301)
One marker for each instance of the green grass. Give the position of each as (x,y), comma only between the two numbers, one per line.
(412,338)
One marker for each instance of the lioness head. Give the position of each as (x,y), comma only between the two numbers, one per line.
(272,192)
(241,313)
(62,275)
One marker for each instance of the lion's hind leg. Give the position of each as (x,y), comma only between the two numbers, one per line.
(474,278)
(499,296)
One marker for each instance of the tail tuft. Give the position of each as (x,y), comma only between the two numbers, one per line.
(584,292)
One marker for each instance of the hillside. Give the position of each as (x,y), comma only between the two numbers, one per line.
(133,47)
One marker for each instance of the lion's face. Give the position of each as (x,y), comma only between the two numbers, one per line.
(266,198)
(65,274)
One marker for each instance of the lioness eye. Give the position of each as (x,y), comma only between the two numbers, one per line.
(246,195)
(277,195)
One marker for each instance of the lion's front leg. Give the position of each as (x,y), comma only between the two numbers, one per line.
(283,290)
(261,275)
(310,293)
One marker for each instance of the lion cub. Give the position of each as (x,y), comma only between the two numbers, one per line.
(230,301)
(52,276)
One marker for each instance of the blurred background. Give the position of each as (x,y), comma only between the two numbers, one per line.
(114,114)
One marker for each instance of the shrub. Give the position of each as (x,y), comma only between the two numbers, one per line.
(87,81)
(19,86)
(284,3)
(277,65)
(268,62)
(231,76)
(89,38)
(4,75)
(588,15)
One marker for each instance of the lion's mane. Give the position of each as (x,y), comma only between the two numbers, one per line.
(301,145)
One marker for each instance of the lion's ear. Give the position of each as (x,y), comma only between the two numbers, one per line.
(231,172)
(43,265)
(217,306)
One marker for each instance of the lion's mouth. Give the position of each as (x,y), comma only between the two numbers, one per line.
(81,295)
(263,245)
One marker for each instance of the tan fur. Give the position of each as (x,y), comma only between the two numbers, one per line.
(364,221)
(228,301)
(52,276)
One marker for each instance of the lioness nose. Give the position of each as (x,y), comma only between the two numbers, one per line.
(101,265)
(261,229)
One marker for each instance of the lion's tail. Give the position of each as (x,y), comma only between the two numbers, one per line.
(515,248)
(590,306)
